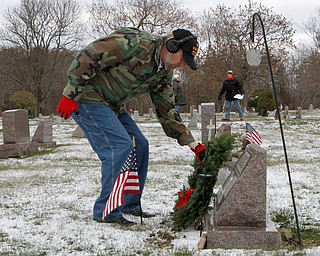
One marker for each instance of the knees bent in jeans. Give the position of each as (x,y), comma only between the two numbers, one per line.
(142,144)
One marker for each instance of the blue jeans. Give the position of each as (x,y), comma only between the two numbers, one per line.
(236,104)
(110,136)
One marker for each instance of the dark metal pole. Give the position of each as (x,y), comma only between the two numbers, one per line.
(215,125)
(140,209)
(280,123)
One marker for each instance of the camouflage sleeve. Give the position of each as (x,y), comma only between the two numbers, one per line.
(169,119)
(101,54)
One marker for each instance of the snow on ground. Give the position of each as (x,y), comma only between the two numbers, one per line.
(46,200)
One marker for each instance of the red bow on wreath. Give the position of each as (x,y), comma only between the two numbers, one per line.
(184,198)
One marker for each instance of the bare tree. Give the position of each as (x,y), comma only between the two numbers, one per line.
(40,31)
(305,64)
(155,16)
(225,31)
(312,28)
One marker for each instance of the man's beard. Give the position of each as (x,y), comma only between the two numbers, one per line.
(167,64)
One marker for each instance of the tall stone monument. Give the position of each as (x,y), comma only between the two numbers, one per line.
(239,218)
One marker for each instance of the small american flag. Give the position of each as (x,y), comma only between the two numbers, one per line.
(126,183)
(132,183)
(252,135)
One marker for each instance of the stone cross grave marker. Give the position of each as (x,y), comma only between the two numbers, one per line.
(16,134)
(210,127)
(239,218)
(207,113)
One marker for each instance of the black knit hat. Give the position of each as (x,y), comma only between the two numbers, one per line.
(189,47)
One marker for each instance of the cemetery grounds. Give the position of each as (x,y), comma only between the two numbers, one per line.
(46,199)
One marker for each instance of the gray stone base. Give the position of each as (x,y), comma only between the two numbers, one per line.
(18,149)
(243,237)
(52,144)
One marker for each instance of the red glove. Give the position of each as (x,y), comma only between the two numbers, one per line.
(66,107)
(200,151)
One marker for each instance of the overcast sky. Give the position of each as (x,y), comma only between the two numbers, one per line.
(296,11)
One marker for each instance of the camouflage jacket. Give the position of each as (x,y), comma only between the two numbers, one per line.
(123,65)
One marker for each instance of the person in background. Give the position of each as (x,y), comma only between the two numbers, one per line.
(102,78)
(231,87)
(179,94)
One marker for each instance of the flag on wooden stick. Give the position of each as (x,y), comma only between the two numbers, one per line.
(126,183)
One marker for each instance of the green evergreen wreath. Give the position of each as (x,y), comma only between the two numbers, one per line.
(201,189)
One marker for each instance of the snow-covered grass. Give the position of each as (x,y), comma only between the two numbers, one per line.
(46,199)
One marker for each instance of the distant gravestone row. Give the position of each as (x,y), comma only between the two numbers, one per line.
(16,134)
(285,114)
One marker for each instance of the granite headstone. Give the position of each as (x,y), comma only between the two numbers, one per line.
(239,217)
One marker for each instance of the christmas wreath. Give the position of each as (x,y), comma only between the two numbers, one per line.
(193,202)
